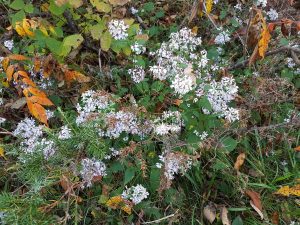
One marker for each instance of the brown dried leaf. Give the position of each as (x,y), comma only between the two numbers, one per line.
(239,161)
(224,216)
(209,213)
(255,201)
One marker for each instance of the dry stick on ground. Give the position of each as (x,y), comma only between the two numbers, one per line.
(244,63)
(161,219)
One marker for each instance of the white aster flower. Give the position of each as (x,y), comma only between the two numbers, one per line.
(92,168)
(118,29)
(65,133)
(2,120)
(272,14)
(135,193)
(137,74)
(262,3)
(222,38)
(9,44)
(138,48)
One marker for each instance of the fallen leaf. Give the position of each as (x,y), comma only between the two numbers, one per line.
(209,213)
(255,201)
(26,26)
(257,209)
(5,63)
(224,216)
(2,153)
(275,218)
(297,149)
(19,103)
(209,4)
(38,112)
(17,57)
(118,2)
(9,72)
(239,161)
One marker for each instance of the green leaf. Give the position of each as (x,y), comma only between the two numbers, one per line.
(157,86)
(54,45)
(56,10)
(229,144)
(129,175)
(148,7)
(237,221)
(17,4)
(105,41)
(72,41)
(29,8)
(19,16)
(127,50)
(154,178)
(97,30)
(101,6)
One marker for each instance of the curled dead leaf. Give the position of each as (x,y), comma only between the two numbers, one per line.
(209,213)
(224,216)
(255,202)
(239,161)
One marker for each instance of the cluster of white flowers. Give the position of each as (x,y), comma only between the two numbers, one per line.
(65,133)
(49,113)
(113,153)
(2,120)
(272,14)
(9,44)
(1,101)
(48,147)
(118,29)
(222,37)
(93,102)
(92,168)
(290,62)
(174,164)
(135,193)
(238,6)
(137,74)
(138,48)
(169,122)
(220,94)
(134,10)
(31,134)
(201,136)
(121,121)
(262,3)
(172,61)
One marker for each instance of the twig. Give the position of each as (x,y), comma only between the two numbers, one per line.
(209,17)
(278,50)
(99,59)
(161,219)
(295,57)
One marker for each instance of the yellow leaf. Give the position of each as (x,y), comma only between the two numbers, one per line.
(285,191)
(43,30)
(9,72)
(264,42)
(209,4)
(2,153)
(5,63)
(26,27)
(20,29)
(118,2)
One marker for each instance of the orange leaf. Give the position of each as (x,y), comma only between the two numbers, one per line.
(297,148)
(239,161)
(40,100)
(275,218)
(37,65)
(9,72)
(264,42)
(37,92)
(5,63)
(23,74)
(15,76)
(17,57)
(38,112)
(28,82)
(271,27)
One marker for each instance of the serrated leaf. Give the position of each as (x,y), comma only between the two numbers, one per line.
(105,41)
(40,100)
(38,112)
(17,4)
(129,175)
(101,6)
(97,30)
